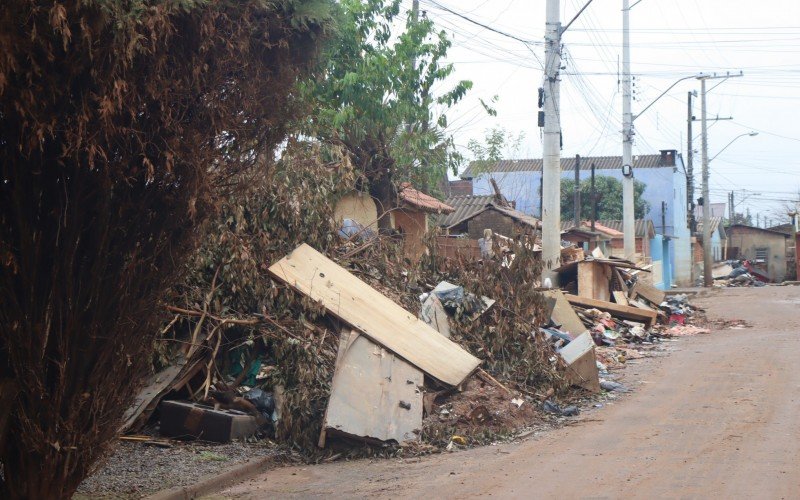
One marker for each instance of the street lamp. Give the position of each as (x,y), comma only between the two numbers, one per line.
(748,134)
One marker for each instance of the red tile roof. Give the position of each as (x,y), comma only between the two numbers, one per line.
(422,201)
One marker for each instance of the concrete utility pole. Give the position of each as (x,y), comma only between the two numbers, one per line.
(628,217)
(577,194)
(690,166)
(708,262)
(551,144)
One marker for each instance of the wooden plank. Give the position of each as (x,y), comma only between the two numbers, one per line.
(375,395)
(651,293)
(563,313)
(581,363)
(594,280)
(640,305)
(374,314)
(616,310)
(620,298)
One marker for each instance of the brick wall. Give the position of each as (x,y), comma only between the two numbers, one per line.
(490,219)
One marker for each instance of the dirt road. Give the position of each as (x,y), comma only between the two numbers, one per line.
(719,417)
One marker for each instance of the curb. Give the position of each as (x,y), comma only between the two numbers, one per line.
(216,483)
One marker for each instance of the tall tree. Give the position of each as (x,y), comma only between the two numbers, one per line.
(120,124)
(609,198)
(497,145)
(377,98)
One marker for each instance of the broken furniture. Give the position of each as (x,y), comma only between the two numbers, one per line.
(581,363)
(563,314)
(183,419)
(617,310)
(375,395)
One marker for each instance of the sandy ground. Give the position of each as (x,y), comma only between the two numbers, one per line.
(719,417)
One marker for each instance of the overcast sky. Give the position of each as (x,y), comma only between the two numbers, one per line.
(670,39)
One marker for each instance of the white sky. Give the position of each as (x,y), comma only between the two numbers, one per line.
(670,39)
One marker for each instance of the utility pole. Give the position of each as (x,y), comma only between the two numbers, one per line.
(577,195)
(628,219)
(551,144)
(708,279)
(731,212)
(690,166)
(594,199)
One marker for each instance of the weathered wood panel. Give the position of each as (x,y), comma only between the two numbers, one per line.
(375,395)
(374,314)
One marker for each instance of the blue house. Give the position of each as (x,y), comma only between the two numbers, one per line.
(663,174)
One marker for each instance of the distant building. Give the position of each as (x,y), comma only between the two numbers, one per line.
(472,214)
(717,210)
(663,174)
(766,249)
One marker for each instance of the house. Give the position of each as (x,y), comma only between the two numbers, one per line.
(409,218)
(587,238)
(663,174)
(718,240)
(791,248)
(765,248)
(473,214)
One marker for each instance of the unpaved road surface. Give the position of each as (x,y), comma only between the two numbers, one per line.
(717,418)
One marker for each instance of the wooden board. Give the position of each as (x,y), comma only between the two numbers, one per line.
(594,280)
(616,310)
(374,314)
(651,293)
(563,313)
(581,363)
(375,395)
(620,298)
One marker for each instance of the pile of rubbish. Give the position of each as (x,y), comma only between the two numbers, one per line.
(739,273)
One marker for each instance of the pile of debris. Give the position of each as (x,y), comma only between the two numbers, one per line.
(612,315)
(739,273)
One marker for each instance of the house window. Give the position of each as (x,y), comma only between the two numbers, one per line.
(761,255)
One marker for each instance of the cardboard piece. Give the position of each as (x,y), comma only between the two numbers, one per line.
(375,395)
(581,364)
(563,313)
(373,314)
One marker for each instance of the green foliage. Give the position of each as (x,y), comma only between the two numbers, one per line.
(376,94)
(499,144)
(609,198)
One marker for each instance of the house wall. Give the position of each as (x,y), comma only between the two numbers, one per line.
(797,255)
(642,247)
(745,240)
(657,255)
(491,219)
(359,207)
(413,225)
(662,184)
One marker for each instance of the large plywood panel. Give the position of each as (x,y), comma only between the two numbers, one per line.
(374,314)
(374,394)
(581,363)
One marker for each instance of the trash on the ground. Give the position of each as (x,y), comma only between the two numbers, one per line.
(518,402)
(375,395)
(184,419)
(581,364)
(609,385)
(682,330)
(563,314)
(568,411)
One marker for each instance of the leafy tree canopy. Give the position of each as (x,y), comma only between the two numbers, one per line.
(376,96)
(609,198)
(498,144)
